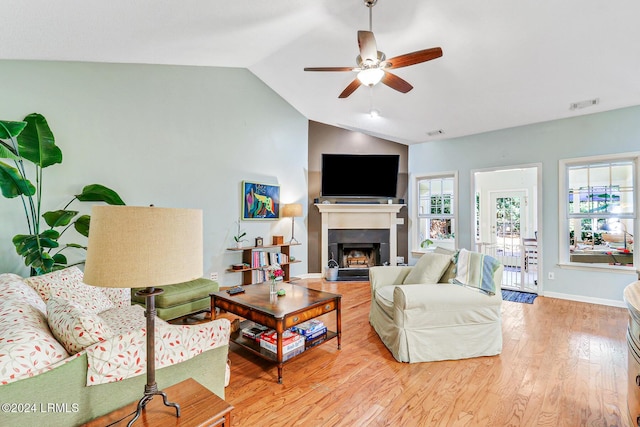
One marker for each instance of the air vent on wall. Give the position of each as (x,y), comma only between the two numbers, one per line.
(584,104)
(435,132)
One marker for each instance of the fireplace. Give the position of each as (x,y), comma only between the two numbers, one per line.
(359,248)
(358,236)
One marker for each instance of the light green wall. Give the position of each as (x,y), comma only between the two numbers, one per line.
(615,131)
(168,135)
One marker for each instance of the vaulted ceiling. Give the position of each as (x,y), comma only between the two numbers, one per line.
(506,63)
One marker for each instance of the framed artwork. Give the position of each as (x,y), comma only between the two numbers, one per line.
(260,201)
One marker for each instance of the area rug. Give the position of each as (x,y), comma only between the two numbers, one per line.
(515,296)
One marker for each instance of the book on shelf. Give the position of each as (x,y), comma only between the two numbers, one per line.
(309,327)
(316,340)
(290,341)
(315,334)
(278,258)
(289,355)
(261,259)
(254,331)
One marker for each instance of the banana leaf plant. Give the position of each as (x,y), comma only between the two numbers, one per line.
(31,141)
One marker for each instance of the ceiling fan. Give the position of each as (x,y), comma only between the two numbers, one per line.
(373,66)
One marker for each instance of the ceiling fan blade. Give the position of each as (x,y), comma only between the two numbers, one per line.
(395,82)
(414,58)
(355,84)
(367,45)
(329,69)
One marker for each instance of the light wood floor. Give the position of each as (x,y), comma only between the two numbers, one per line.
(563,364)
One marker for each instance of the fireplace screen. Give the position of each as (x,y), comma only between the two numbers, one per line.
(359,249)
(354,255)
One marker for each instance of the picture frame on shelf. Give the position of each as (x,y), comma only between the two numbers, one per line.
(260,201)
(259,241)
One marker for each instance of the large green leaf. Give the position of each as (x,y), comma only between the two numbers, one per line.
(11,129)
(7,151)
(32,248)
(82,225)
(60,259)
(12,184)
(75,245)
(99,193)
(25,243)
(36,142)
(42,264)
(59,218)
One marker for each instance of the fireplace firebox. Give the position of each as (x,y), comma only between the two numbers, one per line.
(355,250)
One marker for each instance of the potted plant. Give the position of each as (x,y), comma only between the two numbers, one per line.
(426,243)
(238,237)
(31,142)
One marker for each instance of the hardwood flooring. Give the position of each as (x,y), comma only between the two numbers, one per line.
(563,363)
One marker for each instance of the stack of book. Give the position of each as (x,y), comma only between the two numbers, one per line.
(259,259)
(264,258)
(254,331)
(278,258)
(313,331)
(292,343)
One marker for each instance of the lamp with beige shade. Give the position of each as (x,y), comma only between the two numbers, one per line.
(292,210)
(133,247)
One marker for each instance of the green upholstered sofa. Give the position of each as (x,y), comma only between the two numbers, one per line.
(43,383)
(181,299)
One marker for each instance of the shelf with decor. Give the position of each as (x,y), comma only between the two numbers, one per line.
(255,259)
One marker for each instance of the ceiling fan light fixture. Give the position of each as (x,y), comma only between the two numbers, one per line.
(370,76)
(374,114)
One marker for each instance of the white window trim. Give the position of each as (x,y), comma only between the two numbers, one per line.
(415,237)
(563,207)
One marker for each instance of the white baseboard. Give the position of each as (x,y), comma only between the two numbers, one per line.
(590,300)
(310,276)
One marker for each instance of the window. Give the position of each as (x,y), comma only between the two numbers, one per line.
(436,210)
(600,207)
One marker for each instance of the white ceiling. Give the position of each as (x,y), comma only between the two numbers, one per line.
(506,63)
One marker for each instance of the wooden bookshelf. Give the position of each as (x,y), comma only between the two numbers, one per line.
(247,255)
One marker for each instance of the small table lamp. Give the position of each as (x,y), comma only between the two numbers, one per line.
(133,247)
(292,210)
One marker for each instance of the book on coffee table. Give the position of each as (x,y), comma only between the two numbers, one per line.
(254,332)
(290,341)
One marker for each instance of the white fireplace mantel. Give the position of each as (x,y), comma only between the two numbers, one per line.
(359,217)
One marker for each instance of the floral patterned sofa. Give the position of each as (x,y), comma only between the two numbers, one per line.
(70,352)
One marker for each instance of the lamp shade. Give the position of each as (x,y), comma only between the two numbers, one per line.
(134,247)
(292,210)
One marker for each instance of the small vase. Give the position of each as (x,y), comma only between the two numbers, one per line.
(272,287)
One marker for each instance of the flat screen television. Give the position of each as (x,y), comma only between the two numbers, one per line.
(359,175)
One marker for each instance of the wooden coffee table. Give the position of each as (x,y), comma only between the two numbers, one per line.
(279,313)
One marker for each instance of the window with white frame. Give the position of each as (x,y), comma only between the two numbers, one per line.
(599,201)
(436,210)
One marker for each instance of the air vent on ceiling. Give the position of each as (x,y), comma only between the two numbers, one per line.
(435,132)
(584,104)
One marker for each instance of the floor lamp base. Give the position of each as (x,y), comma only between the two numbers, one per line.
(148,396)
(151,388)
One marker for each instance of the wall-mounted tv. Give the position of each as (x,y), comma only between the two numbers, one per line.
(359,175)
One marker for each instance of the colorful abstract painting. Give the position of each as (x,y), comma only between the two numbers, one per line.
(260,201)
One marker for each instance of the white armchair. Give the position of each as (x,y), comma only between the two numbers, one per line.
(434,321)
